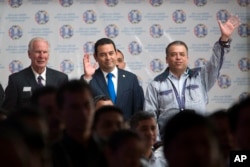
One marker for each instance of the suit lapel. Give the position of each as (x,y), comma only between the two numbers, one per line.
(120,84)
(101,81)
(49,77)
(31,78)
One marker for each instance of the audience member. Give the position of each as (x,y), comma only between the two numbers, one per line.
(23,83)
(124,149)
(125,85)
(180,87)
(45,99)
(190,141)
(220,121)
(77,147)
(107,120)
(239,118)
(144,123)
(102,100)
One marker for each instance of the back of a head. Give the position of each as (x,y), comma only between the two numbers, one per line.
(43,91)
(73,86)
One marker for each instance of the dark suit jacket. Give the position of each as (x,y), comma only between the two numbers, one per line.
(130,96)
(1,94)
(23,83)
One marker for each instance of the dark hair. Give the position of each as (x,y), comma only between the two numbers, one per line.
(103,110)
(183,120)
(175,43)
(103,41)
(73,86)
(41,92)
(219,114)
(101,97)
(140,116)
(235,110)
(120,137)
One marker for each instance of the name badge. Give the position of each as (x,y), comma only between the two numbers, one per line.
(26,89)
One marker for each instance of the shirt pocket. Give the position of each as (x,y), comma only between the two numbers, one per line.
(193,93)
(166,99)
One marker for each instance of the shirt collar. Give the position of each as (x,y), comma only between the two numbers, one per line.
(114,72)
(42,74)
(171,75)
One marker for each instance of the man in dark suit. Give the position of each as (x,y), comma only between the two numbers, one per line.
(23,83)
(1,94)
(126,85)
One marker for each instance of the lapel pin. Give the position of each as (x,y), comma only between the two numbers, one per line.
(123,76)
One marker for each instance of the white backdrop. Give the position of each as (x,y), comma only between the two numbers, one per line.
(141,29)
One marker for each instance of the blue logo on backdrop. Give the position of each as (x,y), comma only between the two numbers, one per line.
(15,66)
(243,95)
(200,2)
(156,3)
(200,62)
(179,16)
(89,16)
(111,3)
(200,30)
(222,15)
(156,31)
(156,65)
(134,48)
(66,3)
(243,3)
(244,30)
(42,17)
(15,32)
(244,64)
(112,31)
(134,16)
(15,3)
(224,81)
(88,47)
(67,66)
(66,31)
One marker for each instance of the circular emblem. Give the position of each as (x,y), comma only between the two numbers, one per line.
(66,3)
(200,62)
(42,17)
(15,3)
(244,30)
(67,66)
(89,17)
(244,64)
(134,16)
(66,31)
(156,31)
(179,16)
(112,31)
(15,32)
(134,48)
(111,3)
(88,48)
(222,15)
(156,65)
(15,66)
(243,95)
(243,3)
(200,3)
(156,3)
(224,81)
(200,30)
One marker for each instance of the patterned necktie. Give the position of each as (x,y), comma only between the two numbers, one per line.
(39,81)
(111,87)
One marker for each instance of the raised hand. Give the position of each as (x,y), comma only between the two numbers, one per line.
(228,27)
(89,69)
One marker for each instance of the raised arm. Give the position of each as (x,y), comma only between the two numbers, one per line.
(89,69)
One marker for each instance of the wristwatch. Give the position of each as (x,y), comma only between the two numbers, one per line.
(225,44)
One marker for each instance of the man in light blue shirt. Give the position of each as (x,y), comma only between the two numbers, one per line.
(180,87)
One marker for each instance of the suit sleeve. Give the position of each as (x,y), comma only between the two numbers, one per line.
(11,95)
(1,95)
(138,96)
